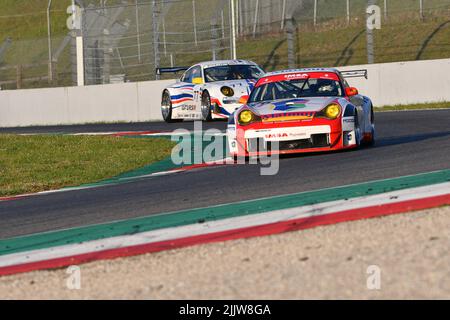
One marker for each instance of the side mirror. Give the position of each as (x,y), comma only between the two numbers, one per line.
(351,91)
(243,99)
(197,81)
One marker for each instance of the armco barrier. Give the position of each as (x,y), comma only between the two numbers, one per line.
(387,84)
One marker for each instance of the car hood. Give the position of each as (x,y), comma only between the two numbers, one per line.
(286,106)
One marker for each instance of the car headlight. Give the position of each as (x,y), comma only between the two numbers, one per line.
(227,91)
(247,117)
(332,111)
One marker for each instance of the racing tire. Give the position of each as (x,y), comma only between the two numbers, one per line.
(371,142)
(357,131)
(206,107)
(166,108)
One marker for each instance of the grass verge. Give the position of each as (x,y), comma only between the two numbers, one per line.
(437,105)
(39,163)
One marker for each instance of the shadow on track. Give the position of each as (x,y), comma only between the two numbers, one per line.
(380,143)
(392,141)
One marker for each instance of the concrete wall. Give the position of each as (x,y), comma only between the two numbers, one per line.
(388,84)
(405,82)
(129,102)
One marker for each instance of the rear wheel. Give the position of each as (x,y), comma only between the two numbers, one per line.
(369,137)
(206,107)
(357,130)
(371,142)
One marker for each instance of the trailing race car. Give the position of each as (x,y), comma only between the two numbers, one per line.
(209,90)
(303,110)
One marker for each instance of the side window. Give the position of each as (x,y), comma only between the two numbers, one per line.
(195,72)
(187,77)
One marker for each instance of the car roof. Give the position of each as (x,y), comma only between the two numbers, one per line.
(305,70)
(217,63)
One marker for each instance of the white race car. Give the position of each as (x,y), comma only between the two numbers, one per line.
(209,90)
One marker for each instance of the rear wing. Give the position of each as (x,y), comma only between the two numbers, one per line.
(355,73)
(160,71)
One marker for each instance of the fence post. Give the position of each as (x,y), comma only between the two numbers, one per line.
(290,42)
(233,30)
(107,53)
(385,9)
(255,22)
(421,9)
(80,61)
(155,37)
(369,32)
(164,36)
(348,12)
(194,20)
(237,17)
(49,39)
(214,37)
(315,12)
(138,31)
(283,14)
(19,76)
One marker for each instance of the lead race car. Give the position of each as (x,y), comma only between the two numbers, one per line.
(302,110)
(209,90)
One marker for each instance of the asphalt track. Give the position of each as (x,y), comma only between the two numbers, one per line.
(408,143)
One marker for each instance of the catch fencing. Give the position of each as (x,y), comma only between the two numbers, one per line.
(126,40)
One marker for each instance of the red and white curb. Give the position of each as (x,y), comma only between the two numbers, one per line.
(267,223)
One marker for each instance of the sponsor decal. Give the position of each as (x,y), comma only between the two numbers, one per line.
(276,135)
(186,107)
(296,76)
(285,135)
(286,106)
(288,116)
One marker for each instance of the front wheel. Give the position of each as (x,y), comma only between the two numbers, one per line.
(166,107)
(206,107)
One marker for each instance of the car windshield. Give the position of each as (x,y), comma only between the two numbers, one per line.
(232,72)
(291,89)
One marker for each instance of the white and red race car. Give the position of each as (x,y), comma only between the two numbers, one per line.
(209,90)
(302,110)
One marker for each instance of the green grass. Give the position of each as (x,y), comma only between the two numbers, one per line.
(438,105)
(45,162)
(402,39)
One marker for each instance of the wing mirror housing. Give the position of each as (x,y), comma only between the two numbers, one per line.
(243,99)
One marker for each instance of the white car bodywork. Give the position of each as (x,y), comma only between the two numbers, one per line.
(186,95)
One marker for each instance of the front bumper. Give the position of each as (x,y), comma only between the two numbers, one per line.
(288,137)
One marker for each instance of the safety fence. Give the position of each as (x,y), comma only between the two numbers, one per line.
(126,40)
